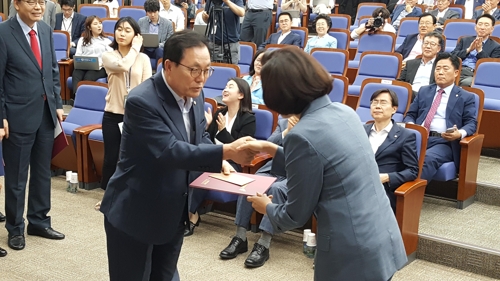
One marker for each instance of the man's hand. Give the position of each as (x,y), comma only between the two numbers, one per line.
(455,135)
(369,23)
(479,44)
(227,168)
(242,157)
(184,5)
(4,133)
(204,16)
(260,201)
(403,64)
(408,8)
(472,46)
(292,121)
(60,113)
(384,178)
(259,146)
(487,8)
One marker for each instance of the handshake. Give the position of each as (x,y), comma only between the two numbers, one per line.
(243,150)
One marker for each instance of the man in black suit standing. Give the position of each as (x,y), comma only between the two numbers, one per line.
(72,22)
(420,72)
(472,48)
(31,107)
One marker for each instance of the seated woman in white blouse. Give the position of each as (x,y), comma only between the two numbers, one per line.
(112,5)
(93,43)
(322,24)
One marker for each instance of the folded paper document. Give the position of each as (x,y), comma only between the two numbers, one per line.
(60,141)
(237,183)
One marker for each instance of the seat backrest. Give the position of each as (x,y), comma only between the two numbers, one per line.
(333,60)
(407,26)
(137,2)
(371,85)
(343,37)
(89,104)
(339,90)
(135,12)
(61,44)
(263,123)
(454,28)
(247,51)
(380,41)
(483,79)
(479,103)
(460,9)
(108,25)
(370,66)
(366,9)
(102,11)
(496,30)
(421,140)
(340,21)
(303,33)
(217,82)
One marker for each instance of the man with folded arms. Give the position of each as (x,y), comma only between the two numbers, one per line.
(285,36)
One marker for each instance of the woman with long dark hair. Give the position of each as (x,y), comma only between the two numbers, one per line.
(253,79)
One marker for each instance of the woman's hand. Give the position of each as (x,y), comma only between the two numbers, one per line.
(227,168)
(137,41)
(221,122)
(208,116)
(259,202)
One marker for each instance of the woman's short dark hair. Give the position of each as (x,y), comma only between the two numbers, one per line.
(179,42)
(252,65)
(392,94)
(290,89)
(152,6)
(453,58)
(244,88)
(324,17)
(120,22)
(382,12)
(87,33)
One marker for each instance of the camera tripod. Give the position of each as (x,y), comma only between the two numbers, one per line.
(215,15)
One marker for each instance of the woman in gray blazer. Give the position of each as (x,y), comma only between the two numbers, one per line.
(331,172)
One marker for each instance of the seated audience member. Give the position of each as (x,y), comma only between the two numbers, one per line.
(253,79)
(93,43)
(112,6)
(395,147)
(368,26)
(285,36)
(489,7)
(322,25)
(72,22)
(472,48)
(3,252)
(470,6)
(420,72)
(412,45)
(49,15)
(244,210)
(152,23)
(447,112)
(322,8)
(173,13)
(228,124)
(189,6)
(297,5)
(408,9)
(443,12)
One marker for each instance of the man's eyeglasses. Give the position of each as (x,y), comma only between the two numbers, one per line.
(432,44)
(195,72)
(67,10)
(379,102)
(427,23)
(33,2)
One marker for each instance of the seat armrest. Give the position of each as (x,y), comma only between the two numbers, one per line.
(408,187)
(470,153)
(65,62)
(258,161)
(87,129)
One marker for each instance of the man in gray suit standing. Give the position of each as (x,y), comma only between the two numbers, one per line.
(152,23)
(49,16)
(31,107)
(443,12)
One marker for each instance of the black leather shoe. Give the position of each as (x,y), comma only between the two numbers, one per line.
(3,253)
(48,233)
(190,227)
(2,217)
(16,242)
(258,256)
(237,246)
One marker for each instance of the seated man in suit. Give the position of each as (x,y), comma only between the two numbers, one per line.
(394,147)
(447,112)
(408,9)
(152,23)
(412,45)
(470,6)
(472,48)
(420,72)
(443,12)
(72,22)
(49,16)
(368,26)
(244,210)
(489,7)
(285,36)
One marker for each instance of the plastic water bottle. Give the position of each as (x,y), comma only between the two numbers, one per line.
(304,239)
(73,184)
(68,179)
(311,245)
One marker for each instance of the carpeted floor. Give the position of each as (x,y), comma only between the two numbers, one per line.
(82,255)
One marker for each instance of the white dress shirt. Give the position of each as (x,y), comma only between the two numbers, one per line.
(416,50)
(111,7)
(185,106)
(66,25)
(377,138)
(282,36)
(469,9)
(441,14)
(96,48)
(438,124)
(174,14)
(423,75)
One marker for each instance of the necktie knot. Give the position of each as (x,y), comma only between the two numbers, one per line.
(32,33)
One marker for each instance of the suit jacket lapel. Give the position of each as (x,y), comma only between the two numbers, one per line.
(198,103)
(452,101)
(413,69)
(170,105)
(17,32)
(391,137)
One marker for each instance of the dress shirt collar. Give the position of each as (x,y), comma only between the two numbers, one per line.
(447,90)
(184,104)
(493,11)
(429,62)
(387,128)
(444,11)
(70,17)
(285,34)
(26,29)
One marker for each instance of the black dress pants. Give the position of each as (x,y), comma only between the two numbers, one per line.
(112,139)
(86,75)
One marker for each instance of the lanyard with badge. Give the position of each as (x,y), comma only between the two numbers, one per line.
(127,82)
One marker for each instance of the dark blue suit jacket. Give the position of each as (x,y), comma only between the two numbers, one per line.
(491,49)
(290,39)
(399,8)
(22,82)
(478,13)
(477,3)
(396,156)
(460,111)
(146,197)
(405,48)
(77,26)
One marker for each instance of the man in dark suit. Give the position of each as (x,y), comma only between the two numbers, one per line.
(443,13)
(49,15)
(31,107)
(472,48)
(469,11)
(163,140)
(285,36)
(72,22)
(489,7)
(447,112)
(424,66)
(395,148)
(408,9)
(412,45)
